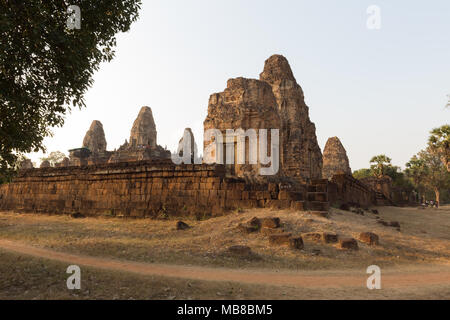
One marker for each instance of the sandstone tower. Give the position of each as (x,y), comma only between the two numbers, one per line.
(142,144)
(275,101)
(300,153)
(244,104)
(143,132)
(335,160)
(95,139)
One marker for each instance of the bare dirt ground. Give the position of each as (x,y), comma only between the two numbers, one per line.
(414,261)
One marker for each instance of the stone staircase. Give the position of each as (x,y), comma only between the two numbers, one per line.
(381,200)
(317,197)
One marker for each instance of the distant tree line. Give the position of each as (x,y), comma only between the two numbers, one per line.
(427,172)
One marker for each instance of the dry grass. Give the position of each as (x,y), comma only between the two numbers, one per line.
(34,278)
(424,238)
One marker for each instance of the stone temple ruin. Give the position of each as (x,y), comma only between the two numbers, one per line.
(140,178)
(273,101)
(335,160)
(142,145)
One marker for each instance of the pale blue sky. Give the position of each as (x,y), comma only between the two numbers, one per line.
(379,91)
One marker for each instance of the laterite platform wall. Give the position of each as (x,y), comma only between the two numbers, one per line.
(139,189)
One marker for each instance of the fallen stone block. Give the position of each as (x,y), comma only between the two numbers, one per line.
(270,222)
(325,237)
(253,225)
(348,243)
(329,237)
(182,225)
(255,222)
(296,243)
(280,239)
(369,238)
(313,236)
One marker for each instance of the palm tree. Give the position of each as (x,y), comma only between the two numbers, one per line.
(380,163)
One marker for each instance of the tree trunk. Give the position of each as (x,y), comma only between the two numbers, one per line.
(436,191)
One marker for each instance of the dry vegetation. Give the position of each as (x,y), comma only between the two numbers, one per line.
(424,238)
(34,278)
(424,241)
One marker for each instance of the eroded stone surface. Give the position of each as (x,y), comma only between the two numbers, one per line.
(275,101)
(95,139)
(280,238)
(182,225)
(296,243)
(26,164)
(348,243)
(244,104)
(270,222)
(142,144)
(143,132)
(64,163)
(325,237)
(300,153)
(45,164)
(369,238)
(335,160)
(134,189)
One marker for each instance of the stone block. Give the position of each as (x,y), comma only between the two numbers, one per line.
(280,239)
(348,243)
(369,238)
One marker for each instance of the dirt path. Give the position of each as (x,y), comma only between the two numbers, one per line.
(422,276)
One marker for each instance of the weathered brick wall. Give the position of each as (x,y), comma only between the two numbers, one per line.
(343,188)
(139,189)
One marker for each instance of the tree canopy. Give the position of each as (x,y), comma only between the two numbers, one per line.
(54,157)
(427,170)
(362,173)
(439,143)
(380,165)
(46,67)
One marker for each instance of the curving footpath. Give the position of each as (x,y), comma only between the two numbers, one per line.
(394,278)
